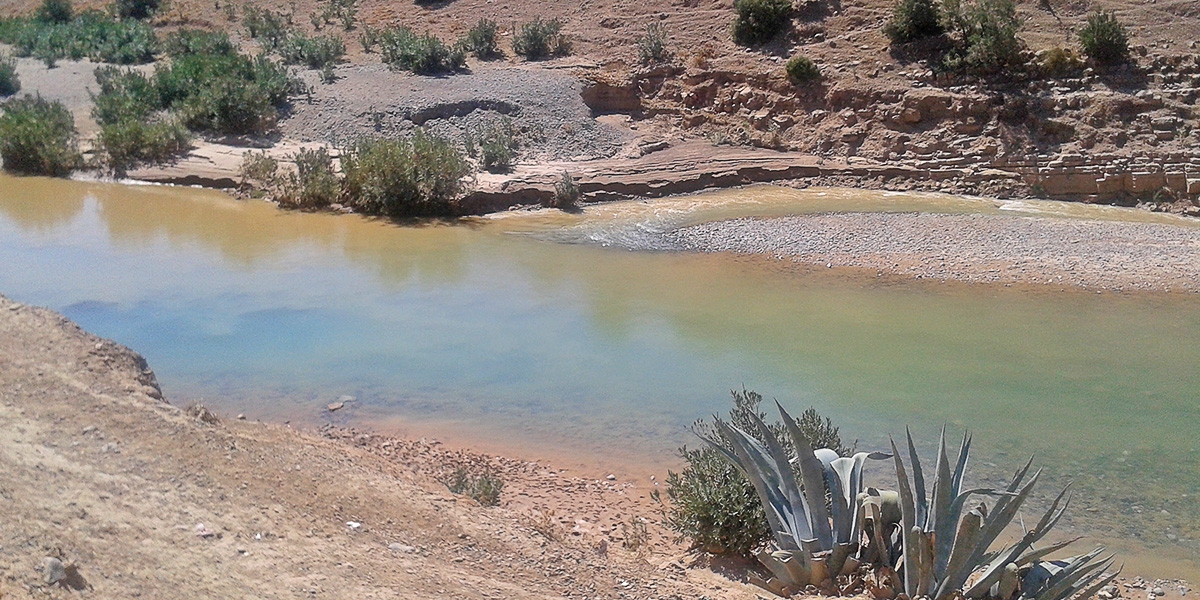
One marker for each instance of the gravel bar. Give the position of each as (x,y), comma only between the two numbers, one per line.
(1106,255)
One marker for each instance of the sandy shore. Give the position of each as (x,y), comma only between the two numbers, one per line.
(1102,255)
(140,498)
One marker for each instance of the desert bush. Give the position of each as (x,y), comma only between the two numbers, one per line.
(9,82)
(540,39)
(712,503)
(759,21)
(315,52)
(197,41)
(225,93)
(267,26)
(801,69)
(1104,39)
(369,38)
(482,40)
(38,137)
(425,54)
(652,45)
(135,9)
(988,32)
(484,487)
(313,184)
(495,145)
(90,34)
(343,11)
(566,193)
(418,176)
(259,168)
(124,95)
(912,20)
(1059,63)
(55,12)
(125,144)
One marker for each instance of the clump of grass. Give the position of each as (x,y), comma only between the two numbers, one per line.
(38,137)
(343,11)
(539,39)
(1059,63)
(1104,39)
(484,487)
(712,503)
(759,21)
(91,34)
(913,20)
(9,82)
(369,38)
(267,26)
(418,176)
(197,41)
(495,145)
(121,146)
(482,40)
(802,70)
(425,54)
(315,52)
(652,45)
(566,192)
(135,9)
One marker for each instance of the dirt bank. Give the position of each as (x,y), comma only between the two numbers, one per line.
(976,248)
(141,498)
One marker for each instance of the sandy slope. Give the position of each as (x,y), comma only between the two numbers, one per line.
(96,471)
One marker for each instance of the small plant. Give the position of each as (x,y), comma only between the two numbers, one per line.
(232,94)
(913,20)
(55,12)
(316,52)
(125,144)
(369,38)
(634,535)
(652,46)
(1060,63)
(988,31)
(343,11)
(801,70)
(314,183)
(482,40)
(425,54)
(91,34)
(135,9)
(418,176)
(540,39)
(484,487)
(197,41)
(566,192)
(495,145)
(9,82)
(261,169)
(125,95)
(268,27)
(1104,39)
(759,21)
(38,137)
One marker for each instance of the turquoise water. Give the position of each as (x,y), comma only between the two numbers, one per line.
(545,332)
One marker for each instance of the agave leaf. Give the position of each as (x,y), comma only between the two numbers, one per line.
(918,482)
(1101,580)
(1011,554)
(1075,569)
(941,523)
(812,474)
(801,510)
(960,469)
(1048,550)
(751,459)
(965,541)
(841,509)
(909,554)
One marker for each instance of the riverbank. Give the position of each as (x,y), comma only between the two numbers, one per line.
(994,249)
(140,498)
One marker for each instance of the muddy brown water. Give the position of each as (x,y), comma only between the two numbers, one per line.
(552,335)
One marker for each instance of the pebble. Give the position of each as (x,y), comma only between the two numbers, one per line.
(241,417)
(335,406)
(353,525)
(398,547)
(53,570)
(611,477)
(1159,592)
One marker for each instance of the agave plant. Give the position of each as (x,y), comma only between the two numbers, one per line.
(942,547)
(811,545)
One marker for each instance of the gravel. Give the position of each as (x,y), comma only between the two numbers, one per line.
(976,248)
(371,99)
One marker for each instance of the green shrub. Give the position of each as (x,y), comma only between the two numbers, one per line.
(125,95)
(425,54)
(495,145)
(411,177)
(135,9)
(38,137)
(259,168)
(225,93)
(9,82)
(482,40)
(801,69)
(712,503)
(90,34)
(759,21)
(540,39)
(913,20)
(268,27)
(483,487)
(123,145)
(566,192)
(344,11)
(315,52)
(55,12)
(314,184)
(988,32)
(652,46)
(1104,39)
(197,41)
(369,38)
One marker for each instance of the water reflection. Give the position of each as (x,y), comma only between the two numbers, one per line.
(490,326)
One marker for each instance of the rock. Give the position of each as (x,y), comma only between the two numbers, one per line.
(605,97)
(110,447)
(241,417)
(611,477)
(1159,592)
(53,570)
(88,429)
(354,525)
(910,115)
(402,548)
(204,532)
(335,406)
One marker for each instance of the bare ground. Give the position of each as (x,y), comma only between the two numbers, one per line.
(139,498)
